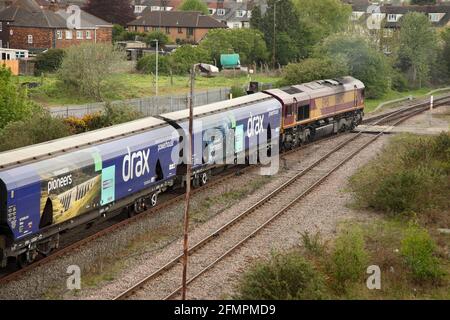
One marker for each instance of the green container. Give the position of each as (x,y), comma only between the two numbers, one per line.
(230,61)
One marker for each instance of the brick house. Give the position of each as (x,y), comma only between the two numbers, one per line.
(178,25)
(28,25)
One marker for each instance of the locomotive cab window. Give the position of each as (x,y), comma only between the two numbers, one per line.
(303,112)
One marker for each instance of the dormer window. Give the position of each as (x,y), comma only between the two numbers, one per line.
(392,18)
(220,12)
(434,17)
(240,13)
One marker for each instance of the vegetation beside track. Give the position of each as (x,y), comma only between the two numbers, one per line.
(408,186)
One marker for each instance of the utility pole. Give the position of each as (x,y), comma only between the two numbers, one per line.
(157,65)
(188,185)
(274,30)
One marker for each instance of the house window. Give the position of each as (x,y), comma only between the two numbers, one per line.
(80,35)
(1,26)
(220,12)
(30,39)
(434,17)
(168,30)
(190,31)
(69,35)
(236,25)
(392,18)
(146,29)
(59,34)
(139,9)
(1,43)
(246,24)
(88,35)
(180,30)
(211,11)
(240,13)
(155,28)
(249,14)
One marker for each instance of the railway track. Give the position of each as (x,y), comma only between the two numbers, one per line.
(211,250)
(174,199)
(78,240)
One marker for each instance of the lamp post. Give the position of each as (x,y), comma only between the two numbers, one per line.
(188,184)
(157,64)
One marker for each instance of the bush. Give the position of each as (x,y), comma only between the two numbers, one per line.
(284,277)
(399,82)
(411,175)
(38,128)
(147,64)
(86,68)
(418,251)
(349,258)
(14,103)
(156,35)
(49,61)
(313,69)
(237,91)
(112,115)
(185,56)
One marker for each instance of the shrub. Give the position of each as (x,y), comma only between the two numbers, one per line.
(185,56)
(14,103)
(38,128)
(237,91)
(349,258)
(86,68)
(313,243)
(313,69)
(418,249)
(411,175)
(116,114)
(49,61)
(147,64)
(399,82)
(156,35)
(284,277)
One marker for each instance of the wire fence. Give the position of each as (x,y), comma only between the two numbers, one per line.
(149,106)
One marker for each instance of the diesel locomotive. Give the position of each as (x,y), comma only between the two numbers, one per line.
(53,187)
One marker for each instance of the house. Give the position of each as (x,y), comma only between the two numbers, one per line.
(384,21)
(180,26)
(155,5)
(234,13)
(27,25)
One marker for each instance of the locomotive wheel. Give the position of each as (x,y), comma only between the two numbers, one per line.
(204,179)
(24,259)
(154,200)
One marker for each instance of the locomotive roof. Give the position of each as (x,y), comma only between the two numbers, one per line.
(46,149)
(217,107)
(315,89)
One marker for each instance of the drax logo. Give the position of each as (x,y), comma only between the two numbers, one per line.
(135,164)
(255,125)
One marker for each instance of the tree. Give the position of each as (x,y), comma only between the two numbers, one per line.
(113,11)
(312,69)
(323,17)
(446,50)
(185,56)
(248,43)
(194,5)
(49,61)
(14,103)
(417,47)
(364,61)
(286,21)
(162,38)
(86,68)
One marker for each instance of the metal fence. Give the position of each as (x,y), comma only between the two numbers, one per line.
(150,106)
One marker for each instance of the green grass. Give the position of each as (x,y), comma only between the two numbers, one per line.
(132,85)
(371,104)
